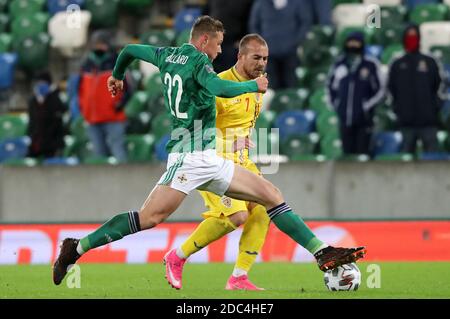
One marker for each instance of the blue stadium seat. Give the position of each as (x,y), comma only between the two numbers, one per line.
(295,122)
(160,148)
(434,156)
(386,143)
(374,51)
(14,148)
(55,6)
(412,3)
(185,18)
(64,161)
(8,63)
(72,92)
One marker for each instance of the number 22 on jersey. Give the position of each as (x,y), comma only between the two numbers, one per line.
(171,83)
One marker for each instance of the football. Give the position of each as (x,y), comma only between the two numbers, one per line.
(343,278)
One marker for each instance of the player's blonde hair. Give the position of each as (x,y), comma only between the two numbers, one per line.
(249,38)
(206,24)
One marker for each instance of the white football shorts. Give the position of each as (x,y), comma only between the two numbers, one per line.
(202,170)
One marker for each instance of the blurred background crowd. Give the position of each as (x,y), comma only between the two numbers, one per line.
(344,85)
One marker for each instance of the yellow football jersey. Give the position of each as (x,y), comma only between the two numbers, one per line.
(235,117)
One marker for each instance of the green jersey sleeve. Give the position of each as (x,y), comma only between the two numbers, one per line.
(207,78)
(131,52)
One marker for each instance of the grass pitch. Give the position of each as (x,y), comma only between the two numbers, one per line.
(206,281)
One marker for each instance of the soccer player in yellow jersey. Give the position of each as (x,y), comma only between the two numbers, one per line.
(235,119)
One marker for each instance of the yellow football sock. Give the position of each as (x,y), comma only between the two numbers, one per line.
(208,231)
(252,238)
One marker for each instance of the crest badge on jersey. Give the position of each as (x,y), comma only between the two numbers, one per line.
(226,201)
(422,67)
(209,68)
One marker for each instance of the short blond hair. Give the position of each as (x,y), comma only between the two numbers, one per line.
(249,38)
(206,24)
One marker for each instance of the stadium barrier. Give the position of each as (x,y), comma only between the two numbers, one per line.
(386,241)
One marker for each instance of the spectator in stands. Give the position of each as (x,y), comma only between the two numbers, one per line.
(45,112)
(234,16)
(284,24)
(105,115)
(414,83)
(354,87)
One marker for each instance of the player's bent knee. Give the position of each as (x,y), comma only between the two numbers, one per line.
(272,195)
(239,218)
(151,219)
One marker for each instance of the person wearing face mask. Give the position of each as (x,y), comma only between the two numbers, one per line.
(354,87)
(45,112)
(105,115)
(414,85)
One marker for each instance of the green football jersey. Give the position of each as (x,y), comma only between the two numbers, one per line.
(190,86)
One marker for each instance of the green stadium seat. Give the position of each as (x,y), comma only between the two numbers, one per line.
(265,119)
(75,147)
(161,125)
(154,86)
(12,125)
(136,104)
(392,52)
(327,124)
(318,102)
(25,7)
(140,147)
(158,37)
(308,158)
(105,13)
(391,34)
(139,124)
(136,7)
(338,2)
(4,22)
(289,99)
(267,143)
(33,52)
(318,78)
(111,160)
(393,15)
(384,118)
(442,53)
(342,35)
(29,25)
(331,147)
(429,12)
(355,157)
(320,56)
(5,42)
(182,38)
(78,128)
(398,157)
(27,162)
(443,141)
(4,5)
(297,145)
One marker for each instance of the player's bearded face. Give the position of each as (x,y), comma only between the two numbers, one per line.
(255,60)
(213,45)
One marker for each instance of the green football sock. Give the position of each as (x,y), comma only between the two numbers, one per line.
(114,229)
(292,225)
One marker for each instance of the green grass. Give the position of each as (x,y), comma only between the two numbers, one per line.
(281,280)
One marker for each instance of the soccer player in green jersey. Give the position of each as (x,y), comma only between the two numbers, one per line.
(190,87)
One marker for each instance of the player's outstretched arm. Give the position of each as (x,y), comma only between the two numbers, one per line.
(131,52)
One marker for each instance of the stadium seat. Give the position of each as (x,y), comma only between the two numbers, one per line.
(4,22)
(4,5)
(62,161)
(154,86)
(267,143)
(318,101)
(443,140)
(8,63)
(442,53)
(24,7)
(55,6)
(33,52)
(320,56)
(444,115)
(26,161)
(327,124)
(338,2)
(140,147)
(14,148)
(79,148)
(158,37)
(182,37)
(78,128)
(29,25)
(136,104)
(295,122)
(104,12)
(64,36)
(428,13)
(161,125)
(384,118)
(111,160)
(331,147)
(344,32)
(389,35)
(349,14)
(387,143)
(399,157)
(289,99)
(5,42)
(383,2)
(393,15)
(391,53)
(139,124)
(136,7)
(318,78)
(265,119)
(160,148)
(411,4)
(433,156)
(185,18)
(374,51)
(13,126)
(434,34)
(299,145)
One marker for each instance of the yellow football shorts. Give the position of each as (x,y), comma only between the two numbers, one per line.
(225,206)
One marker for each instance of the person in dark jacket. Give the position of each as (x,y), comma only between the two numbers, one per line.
(105,115)
(414,83)
(283,24)
(45,112)
(354,87)
(234,15)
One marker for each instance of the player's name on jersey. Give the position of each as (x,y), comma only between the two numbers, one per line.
(177,59)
